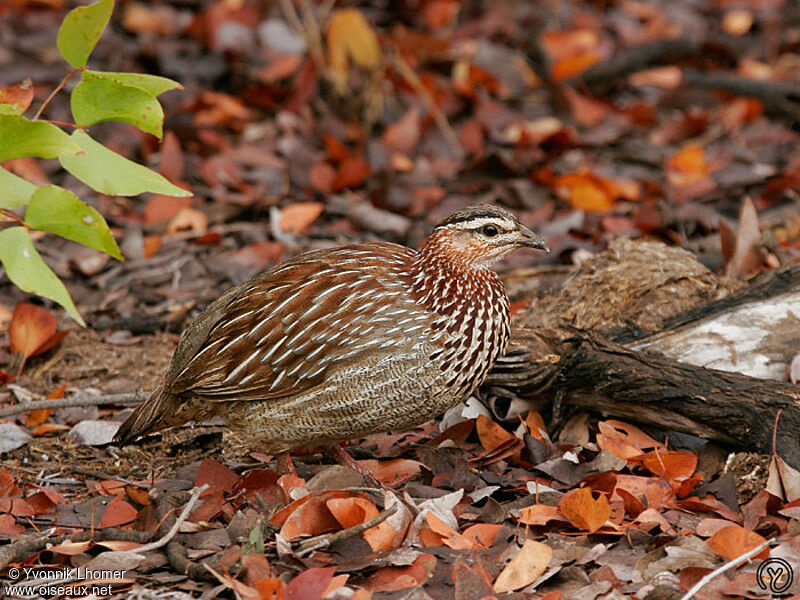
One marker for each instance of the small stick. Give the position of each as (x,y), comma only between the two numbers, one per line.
(411,78)
(323,541)
(166,538)
(726,567)
(54,92)
(126,399)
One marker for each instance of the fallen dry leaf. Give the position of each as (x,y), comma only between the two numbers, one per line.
(32,330)
(733,541)
(525,568)
(298,217)
(583,510)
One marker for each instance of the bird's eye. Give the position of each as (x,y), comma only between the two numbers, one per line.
(489,230)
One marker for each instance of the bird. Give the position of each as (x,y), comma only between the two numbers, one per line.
(336,344)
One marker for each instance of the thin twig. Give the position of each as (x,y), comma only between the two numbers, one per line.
(126,399)
(411,78)
(53,93)
(324,541)
(165,539)
(726,567)
(290,14)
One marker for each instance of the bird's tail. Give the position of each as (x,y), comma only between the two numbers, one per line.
(150,416)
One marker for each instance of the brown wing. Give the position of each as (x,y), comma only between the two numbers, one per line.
(281,333)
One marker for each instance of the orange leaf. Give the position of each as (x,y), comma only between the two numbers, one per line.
(351,511)
(322,177)
(310,518)
(482,535)
(586,191)
(567,68)
(352,173)
(668,77)
(687,166)
(655,492)
(525,568)
(190,219)
(259,254)
(271,588)
(298,217)
(392,469)
(733,541)
(491,434)
(391,579)
(20,95)
(673,465)
(585,512)
(450,537)
(71,548)
(538,514)
(536,426)
(118,512)
(350,37)
(39,415)
(32,330)
(217,476)
(737,22)
(160,208)
(623,440)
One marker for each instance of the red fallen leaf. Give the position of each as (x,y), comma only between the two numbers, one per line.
(298,217)
(7,485)
(352,173)
(633,505)
(585,110)
(322,177)
(71,548)
(653,492)
(41,503)
(583,510)
(687,166)
(539,514)
(259,254)
(271,588)
(263,482)
(733,541)
(354,511)
(20,95)
(256,568)
(310,518)
(217,476)
(33,330)
(213,505)
(310,584)
(403,136)
(160,209)
(536,426)
(491,434)
(391,579)
(482,536)
(472,137)
(337,151)
(48,428)
(118,512)
(570,67)
(39,415)
(392,469)
(708,504)
(5,377)
(673,465)
(209,238)
(8,526)
(138,495)
(170,162)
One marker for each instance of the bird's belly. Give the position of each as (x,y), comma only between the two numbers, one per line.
(394,391)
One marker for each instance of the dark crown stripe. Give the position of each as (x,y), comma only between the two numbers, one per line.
(476,213)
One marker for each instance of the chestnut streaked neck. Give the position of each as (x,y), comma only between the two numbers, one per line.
(445,274)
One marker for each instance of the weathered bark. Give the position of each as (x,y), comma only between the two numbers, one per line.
(638,382)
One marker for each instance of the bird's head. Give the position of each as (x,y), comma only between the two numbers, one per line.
(479,236)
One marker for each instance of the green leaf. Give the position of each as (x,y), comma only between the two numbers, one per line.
(110,173)
(10,109)
(20,137)
(25,267)
(80,31)
(152,84)
(56,210)
(97,100)
(14,191)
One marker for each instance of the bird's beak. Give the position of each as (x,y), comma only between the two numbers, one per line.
(532,240)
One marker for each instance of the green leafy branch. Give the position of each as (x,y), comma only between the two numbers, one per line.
(99,96)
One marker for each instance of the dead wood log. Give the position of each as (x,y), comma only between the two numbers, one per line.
(658,297)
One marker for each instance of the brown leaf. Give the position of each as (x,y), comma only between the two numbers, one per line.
(403,136)
(525,568)
(391,579)
(19,95)
(217,476)
(298,217)
(170,162)
(322,177)
(118,512)
(733,541)
(311,584)
(352,173)
(32,330)
(491,434)
(583,510)
(160,209)
(746,258)
(539,514)
(259,254)
(189,219)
